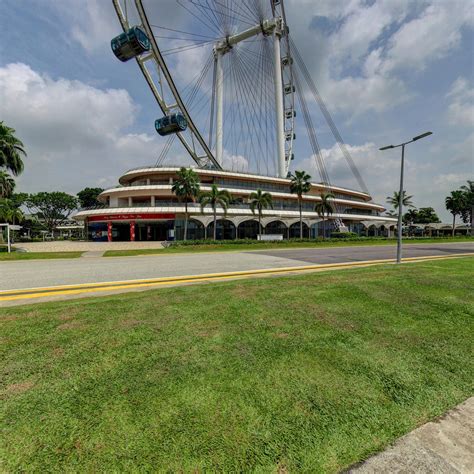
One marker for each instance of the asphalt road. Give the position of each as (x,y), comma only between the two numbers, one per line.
(43,273)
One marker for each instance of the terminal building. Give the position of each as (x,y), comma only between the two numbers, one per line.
(143,208)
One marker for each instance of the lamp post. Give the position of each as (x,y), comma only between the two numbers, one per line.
(400,195)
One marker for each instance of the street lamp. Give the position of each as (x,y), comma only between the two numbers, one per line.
(400,196)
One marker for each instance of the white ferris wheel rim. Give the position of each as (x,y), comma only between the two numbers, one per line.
(206,158)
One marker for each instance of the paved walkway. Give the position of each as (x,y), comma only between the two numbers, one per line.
(93,253)
(442,446)
(77,246)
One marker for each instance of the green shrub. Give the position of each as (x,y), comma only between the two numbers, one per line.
(343,235)
(346,236)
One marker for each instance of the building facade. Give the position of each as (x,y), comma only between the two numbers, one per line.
(144,208)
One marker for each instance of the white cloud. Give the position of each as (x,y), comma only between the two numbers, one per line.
(380,171)
(235,162)
(380,39)
(429,37)
(361,94)
(461,108)
(75,134)
(363,26)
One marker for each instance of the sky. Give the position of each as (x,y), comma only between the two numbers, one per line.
(387,69)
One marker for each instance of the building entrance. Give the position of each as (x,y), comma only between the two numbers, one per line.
(153,231)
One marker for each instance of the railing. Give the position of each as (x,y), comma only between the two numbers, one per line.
(138,168)
(277,206)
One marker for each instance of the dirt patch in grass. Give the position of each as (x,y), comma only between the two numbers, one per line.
(18,388)
(130,323)
(70,325)
(57,352)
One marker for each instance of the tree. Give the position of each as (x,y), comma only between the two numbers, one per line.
(410,216)
(391,213)
(7,184)
(11,150)
(394,200)
(215,197)
(325,208)
(454,204)
(300,184)
(9,212)
(425,215)
(186,188)
(53,208)
(260,200)
(88,197)
(18,199)
(467,212)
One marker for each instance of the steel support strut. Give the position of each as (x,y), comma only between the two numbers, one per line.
(219,106)
(280,119)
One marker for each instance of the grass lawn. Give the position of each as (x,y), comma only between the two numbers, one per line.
(305,373)
(275,245)
(37,255)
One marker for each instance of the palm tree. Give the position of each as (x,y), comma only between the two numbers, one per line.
(7,185)
(215,197)
(410,216)
(11,150)
(454,204)
(469,199)
(186,187)
(9,212)
(394,200)
(260,200)
(391,213)
(325,208)
(300,184)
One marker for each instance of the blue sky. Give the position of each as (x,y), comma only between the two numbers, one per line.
(388,70)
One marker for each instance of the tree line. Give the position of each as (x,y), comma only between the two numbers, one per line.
(460,202)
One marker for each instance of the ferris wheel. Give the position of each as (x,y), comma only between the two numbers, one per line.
(225,74)
(238,108)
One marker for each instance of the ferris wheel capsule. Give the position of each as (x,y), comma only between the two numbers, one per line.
(130,44)
(173,123)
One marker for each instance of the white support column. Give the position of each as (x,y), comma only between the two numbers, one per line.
(280,120)
(219,106)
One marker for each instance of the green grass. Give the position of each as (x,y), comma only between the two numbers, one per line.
(301,374)
(237,247)
(37,255)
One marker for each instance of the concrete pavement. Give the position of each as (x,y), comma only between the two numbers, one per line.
(41,273)
(45,280)
(445,445)
(79,246)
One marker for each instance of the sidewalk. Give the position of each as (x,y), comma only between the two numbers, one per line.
(77,246)
(442,446)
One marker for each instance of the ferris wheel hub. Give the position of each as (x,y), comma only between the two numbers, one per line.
(266,27)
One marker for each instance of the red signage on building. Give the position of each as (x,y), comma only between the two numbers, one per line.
(109,231)
(127,217)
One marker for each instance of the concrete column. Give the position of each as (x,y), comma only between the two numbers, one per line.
(153,202)
(130,201)
(148,182)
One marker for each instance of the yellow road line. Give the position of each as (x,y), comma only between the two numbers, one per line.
(11,295)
